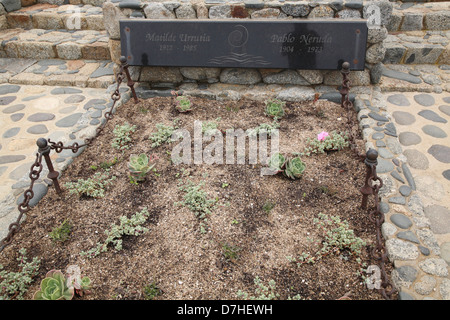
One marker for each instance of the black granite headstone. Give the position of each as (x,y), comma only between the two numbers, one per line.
(293,44)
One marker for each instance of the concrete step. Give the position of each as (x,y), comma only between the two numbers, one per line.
(50,44)
(57,72)
(418,47)
(97,3)
(51,16)
(415,78)
(416,16)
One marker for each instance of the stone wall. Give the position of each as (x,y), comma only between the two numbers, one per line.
(115,10)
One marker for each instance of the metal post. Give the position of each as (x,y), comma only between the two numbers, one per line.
(44,149)
(371,162)
(130,82)
(345,87)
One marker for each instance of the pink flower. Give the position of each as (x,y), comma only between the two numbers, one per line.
(321,136)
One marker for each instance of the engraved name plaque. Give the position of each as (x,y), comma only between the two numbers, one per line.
(293,44)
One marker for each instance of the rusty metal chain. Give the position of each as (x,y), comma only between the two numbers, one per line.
(372,185)
(24,206)
(46,145)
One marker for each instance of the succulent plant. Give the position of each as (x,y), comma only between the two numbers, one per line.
(274,108)
(183,104)
(139,166)
(277,162)
(74,280)
(294,168)
(54,287)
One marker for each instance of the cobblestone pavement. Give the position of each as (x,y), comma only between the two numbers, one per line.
(67,114)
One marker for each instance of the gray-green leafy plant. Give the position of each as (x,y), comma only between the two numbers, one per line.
(13,285)
(264,128)
(230,252)
(336,237)
(197,201)
(294,168)
(275,108)
(334,142)
(163,133)
(262,291)
(92,187)
(140,165)
(127,226)
(210,127)
(54,287)
(122,136)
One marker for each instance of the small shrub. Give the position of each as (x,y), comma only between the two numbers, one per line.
(128,226)
(163,134)
(325,142)
(122,136)
(92,187)
(151,291)
(264,128)
(268,206)
(61,233)
(198,202)
(230,252)
(13,285)
(210,127)
(262,292)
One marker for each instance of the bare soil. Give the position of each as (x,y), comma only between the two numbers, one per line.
(184,262)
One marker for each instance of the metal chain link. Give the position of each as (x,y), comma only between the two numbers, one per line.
(372,186)
(59,147)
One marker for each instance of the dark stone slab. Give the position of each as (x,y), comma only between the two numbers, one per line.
(298,44)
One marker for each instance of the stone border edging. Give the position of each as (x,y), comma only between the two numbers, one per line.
(410,243)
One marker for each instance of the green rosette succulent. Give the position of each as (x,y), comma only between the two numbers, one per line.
(277,163)
(274,108)
(294,168)
(54,287)
(139,166)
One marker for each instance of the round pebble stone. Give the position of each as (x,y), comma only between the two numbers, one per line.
(77,98)
(385,153)
(401,221)
(398,99)
(431,115)
(11,132)
(37,129)
(405,190)
(445,252)
(424,99)
(408,235)
(446,99)
(68,121)
(424,251)
(403,118)
(445,109)
(416,159)
(446,174)
(41,116)
(13,108)
(11,158)
(378,136)
(409,138)
(7,100)
(439,217)
(17,116)
(440,153)
(9,88)
(434,131)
